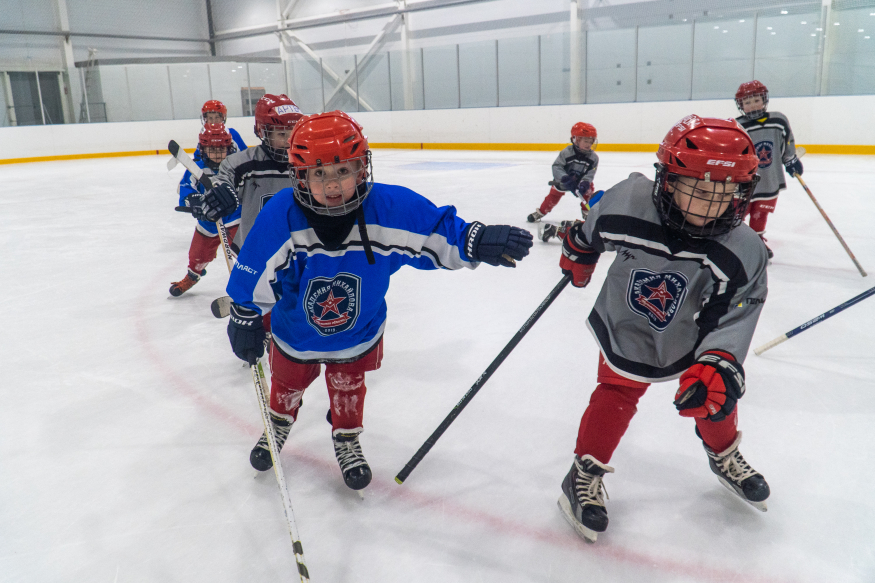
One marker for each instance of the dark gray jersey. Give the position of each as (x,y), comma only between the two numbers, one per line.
(775,145)
(255,177)
(584,163)
(668,299)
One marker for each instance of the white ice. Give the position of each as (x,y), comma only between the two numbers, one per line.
(126,421)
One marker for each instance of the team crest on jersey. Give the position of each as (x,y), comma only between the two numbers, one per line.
(332,303)
(656,296)
(765,149)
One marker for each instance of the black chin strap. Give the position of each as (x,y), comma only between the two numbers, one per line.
(363,232)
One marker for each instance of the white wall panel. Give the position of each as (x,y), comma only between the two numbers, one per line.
(629,123)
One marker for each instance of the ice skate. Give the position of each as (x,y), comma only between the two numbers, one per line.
(737,475)
(546,231)
(581,501)
(177,288)
(535,216)
(260,455)
(353,465)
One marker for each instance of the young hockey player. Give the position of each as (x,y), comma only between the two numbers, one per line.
(215,144)
(249,178)
(214,111)
(573,170)
(773,139)
(681,299)
(324,282)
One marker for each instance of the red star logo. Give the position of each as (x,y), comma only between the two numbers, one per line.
(330,304)
(659,293)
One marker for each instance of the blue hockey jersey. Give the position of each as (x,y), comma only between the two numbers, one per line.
(235,135)
(330,306)
(189,185)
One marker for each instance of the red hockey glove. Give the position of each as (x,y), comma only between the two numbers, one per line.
(711,387)
(576,262)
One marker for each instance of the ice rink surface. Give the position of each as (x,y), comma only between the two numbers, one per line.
(127,422)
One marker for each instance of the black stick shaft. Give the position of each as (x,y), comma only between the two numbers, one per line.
(429,443)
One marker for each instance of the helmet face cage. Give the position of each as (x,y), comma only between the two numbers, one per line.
(210,161)
(756,113)
(703,202)
(278,153)
(324,178)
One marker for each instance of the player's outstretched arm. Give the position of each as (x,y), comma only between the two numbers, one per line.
(711,387)
(578,260)
(497,244)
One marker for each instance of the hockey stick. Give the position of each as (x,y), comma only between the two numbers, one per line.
(258,379)
(429,443)
(831,226)
(812,322)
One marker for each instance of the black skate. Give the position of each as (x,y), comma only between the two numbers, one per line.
(581,502)
(535,216)
(737,475)
(353,465)
(260,455)
(768,249)
(177,288)
(547,231)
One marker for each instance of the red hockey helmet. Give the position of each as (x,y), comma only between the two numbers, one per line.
(716,161)
(275,117)
(329,139)
(214,106)
(215,144)
(750,89)
(585,130)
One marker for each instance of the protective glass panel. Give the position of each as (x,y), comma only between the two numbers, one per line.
(150,92)
(477,74)
(665,62)
(850,68)
(115,92)
(518,73)
(610,66)
(441,77)
(406,69)
(226,82)
(339,76)
(723,57)
(555,68)
(305,82)
(374,83)
(189,89)
(787,53)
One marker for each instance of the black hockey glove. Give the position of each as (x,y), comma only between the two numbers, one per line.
(569,181)
(219,201)
(497,244)
(793,166)
(195,201)
(246,332)
(582,189)
(711,387)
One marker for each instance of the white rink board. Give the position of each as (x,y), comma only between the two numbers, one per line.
(815,120)
(127,422)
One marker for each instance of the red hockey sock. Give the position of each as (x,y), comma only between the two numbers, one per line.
(720,434)
(288,381)
(759,214)
(202,251)
(611,408)
(552,199)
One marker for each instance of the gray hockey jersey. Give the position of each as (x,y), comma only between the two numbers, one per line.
(667,299)
(775,145)
(584,163)
(255,177)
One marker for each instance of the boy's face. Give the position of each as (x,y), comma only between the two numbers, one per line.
(214,117)
(752,103)
(701,202)
(279,137)
(216,153)
(334,184)
(582,142)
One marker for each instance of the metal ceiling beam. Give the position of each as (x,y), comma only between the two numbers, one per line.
(67,33)
(381,11)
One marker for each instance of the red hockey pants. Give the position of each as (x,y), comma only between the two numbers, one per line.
(346,386)
(203,248)
(553,198)
(611,408)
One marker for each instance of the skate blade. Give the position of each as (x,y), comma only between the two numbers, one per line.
(585,533)
(361,494)
(761,506)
